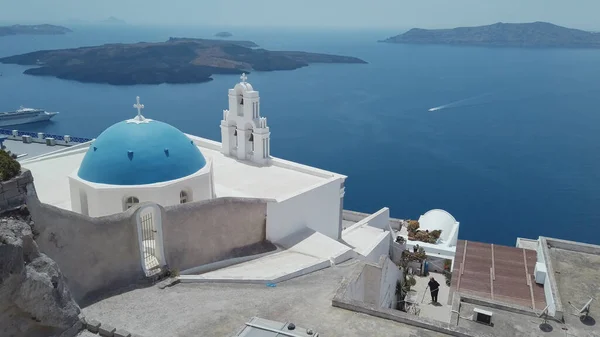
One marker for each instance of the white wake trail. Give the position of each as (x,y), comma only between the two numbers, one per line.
(458,103)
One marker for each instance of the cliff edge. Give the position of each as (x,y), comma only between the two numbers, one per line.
(34,298)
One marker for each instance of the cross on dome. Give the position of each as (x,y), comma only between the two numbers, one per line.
(243,77)
(138,106)
(139,118)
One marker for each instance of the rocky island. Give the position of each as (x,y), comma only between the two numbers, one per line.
(536,34)
(223,34)
(178,60)
(33,30)
(113,21)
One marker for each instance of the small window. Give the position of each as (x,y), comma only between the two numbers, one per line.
(183,197)
(130,202)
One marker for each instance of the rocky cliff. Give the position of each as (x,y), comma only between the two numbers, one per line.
(34,298)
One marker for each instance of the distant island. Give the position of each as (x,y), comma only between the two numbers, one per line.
(114,21)
(224,34)
(536,34)
(33,30)
(178,60)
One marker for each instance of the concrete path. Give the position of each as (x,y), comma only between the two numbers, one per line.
(304,253)
(212,309)
(440,311)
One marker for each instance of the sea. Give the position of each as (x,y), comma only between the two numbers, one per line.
(505,139)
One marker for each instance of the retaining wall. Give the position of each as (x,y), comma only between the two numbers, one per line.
(204,232)
(13,192)
(96,255)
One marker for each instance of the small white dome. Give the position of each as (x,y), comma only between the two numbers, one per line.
(438,219)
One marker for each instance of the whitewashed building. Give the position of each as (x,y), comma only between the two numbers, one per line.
(144,160)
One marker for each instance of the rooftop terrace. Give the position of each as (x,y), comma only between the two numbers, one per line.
(498,273)
(573,278)
(29,150)
(233,178)
(577,276)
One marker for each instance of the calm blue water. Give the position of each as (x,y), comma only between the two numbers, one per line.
(516,152)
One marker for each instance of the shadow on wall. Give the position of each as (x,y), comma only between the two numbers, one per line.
(203,232)
(99,256)
(96,255)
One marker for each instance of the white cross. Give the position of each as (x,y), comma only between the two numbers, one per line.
(244,77)
(138,106)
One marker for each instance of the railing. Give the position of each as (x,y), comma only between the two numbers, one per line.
(39,137)
(80,139)
(27,133)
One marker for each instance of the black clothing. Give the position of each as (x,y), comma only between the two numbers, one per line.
(434,295)
(434,287)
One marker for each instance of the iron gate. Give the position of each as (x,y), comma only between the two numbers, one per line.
(149,244)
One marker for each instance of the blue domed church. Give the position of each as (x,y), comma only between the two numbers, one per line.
(140,160)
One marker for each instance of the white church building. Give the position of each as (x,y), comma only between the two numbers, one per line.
(145,160)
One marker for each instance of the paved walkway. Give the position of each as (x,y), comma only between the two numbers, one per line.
(440,311)
(214,309)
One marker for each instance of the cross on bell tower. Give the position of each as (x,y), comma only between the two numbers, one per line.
(244,133)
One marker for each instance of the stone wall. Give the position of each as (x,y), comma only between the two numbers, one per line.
(204,232)
(102,254)
(13,191)
(96,255)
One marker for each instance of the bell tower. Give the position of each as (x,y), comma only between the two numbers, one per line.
(244,133)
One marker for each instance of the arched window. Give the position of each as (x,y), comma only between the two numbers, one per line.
(130,202)
(183,197)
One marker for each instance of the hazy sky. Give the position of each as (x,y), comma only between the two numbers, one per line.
(309,13)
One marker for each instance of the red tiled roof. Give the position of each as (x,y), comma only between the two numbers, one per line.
(497,272)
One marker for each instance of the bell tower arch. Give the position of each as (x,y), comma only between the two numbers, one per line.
(244,133)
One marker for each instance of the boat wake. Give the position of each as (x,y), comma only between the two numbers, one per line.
(462,102)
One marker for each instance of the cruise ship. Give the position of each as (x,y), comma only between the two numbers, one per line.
(24,116)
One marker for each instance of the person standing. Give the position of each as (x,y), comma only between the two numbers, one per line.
(434,288)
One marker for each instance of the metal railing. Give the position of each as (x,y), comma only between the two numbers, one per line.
(39,137)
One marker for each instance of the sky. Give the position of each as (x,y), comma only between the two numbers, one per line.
(361,14)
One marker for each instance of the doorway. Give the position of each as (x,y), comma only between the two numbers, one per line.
(150,239)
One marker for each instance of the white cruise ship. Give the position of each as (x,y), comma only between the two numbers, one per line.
(24,116)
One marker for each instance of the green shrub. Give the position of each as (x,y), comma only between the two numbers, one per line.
(9,167)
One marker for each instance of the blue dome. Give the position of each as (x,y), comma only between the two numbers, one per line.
(138,154)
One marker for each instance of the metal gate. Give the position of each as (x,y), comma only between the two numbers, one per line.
(149,236)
